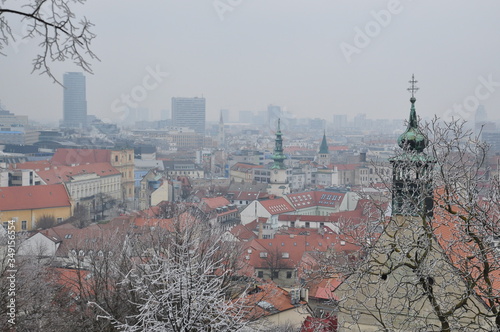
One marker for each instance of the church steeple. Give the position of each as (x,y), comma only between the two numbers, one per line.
(412,169)
(278,184)
(412,139)
(323,154)
(323,148)
(278,156)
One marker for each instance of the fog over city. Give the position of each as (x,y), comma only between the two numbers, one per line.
(313,58)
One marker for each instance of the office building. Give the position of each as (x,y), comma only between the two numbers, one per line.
(75,101)
(189,112)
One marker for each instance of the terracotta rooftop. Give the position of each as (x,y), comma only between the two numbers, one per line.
(244,232)
(215,202)
(268,299)
(248,195)
(316,198)
(33,197)
(277,206)
(60,174)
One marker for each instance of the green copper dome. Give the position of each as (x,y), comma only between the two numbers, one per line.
(412,139)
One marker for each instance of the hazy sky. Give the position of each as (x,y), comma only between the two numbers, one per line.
(315,58)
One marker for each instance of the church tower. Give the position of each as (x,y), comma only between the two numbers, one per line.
(278,185)
(323,154)
(412,169)
(408,281)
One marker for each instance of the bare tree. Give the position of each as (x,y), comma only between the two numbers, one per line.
(61,35)
(46,221)
(274,262)
(434,266)
(181,281)
(27,291)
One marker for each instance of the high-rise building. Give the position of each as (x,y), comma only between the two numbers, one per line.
(75,101)
(189,112)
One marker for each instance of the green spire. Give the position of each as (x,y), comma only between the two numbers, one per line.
(323,148)
(278,156)
(412,139)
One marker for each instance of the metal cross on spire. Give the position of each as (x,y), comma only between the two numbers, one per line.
(413,89)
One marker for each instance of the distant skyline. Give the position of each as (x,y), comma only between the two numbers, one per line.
(312,58)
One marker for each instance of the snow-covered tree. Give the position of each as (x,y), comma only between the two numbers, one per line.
(434,266)
(180,283)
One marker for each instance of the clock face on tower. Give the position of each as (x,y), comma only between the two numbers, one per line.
(275,171)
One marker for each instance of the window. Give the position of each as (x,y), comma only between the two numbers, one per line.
(292,224)
(116,158)
(289,274)
(59,220)
(308,224)
(260,274)
(24,225)
(285,255)
(263,254)
(276,274)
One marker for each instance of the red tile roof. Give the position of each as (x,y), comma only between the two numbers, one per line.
(245,166)
(215,202)
(338,148)
(277,206)
(36,165)
(266,300)
(33,197)
(248,195)
(316,198)
(244,232)
(60,174)
(464,253)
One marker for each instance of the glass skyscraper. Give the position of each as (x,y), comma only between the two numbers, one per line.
(75,101)
(189,112)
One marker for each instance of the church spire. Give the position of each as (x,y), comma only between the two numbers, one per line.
(323,148)
(413,139)
(278,157)
(412,189)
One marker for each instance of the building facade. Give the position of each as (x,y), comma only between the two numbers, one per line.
(74,100)
(189,112)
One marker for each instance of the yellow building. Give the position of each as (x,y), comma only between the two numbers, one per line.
(121,159)
(26,205)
